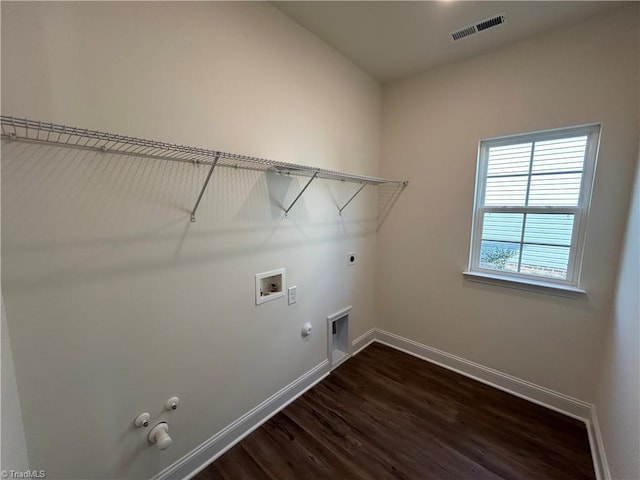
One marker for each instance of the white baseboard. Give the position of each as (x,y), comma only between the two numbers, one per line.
(520,388)
(528,391)
(363,341)
(199,458)
(600,463)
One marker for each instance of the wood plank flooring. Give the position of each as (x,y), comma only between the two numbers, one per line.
(387,415)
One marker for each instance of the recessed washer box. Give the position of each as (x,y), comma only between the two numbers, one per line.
(270,285)
(338,344)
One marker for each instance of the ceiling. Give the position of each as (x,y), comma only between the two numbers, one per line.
(394,39)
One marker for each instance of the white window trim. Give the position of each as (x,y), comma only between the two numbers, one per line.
(525,284)
(581,213)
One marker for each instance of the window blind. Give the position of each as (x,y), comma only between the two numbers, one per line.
(530,203)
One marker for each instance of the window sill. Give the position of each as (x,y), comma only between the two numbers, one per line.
(525,284)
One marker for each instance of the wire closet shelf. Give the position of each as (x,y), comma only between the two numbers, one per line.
(23,129)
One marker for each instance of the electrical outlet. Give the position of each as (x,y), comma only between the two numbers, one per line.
(293,295)
(351,258)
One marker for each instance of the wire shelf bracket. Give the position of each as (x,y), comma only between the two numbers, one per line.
(204,187)
(25,130)
(352,197)
(286,212)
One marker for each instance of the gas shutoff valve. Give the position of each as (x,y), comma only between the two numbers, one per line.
(160,435)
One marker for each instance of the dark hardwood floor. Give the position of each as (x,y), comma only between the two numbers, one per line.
(384,414)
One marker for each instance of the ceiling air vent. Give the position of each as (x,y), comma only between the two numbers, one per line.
(469,30)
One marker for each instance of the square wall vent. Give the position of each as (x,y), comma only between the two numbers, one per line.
(474,28)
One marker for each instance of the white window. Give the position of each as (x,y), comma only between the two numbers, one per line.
(532,199)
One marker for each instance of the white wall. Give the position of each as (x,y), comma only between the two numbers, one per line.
(431,127)
(618,399)
(14,455)
(114,300)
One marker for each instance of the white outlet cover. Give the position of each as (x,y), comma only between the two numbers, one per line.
(351,258)
(293,295)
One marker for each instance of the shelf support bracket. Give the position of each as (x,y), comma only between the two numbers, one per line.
(349,201)
(286,212)
(204,187)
